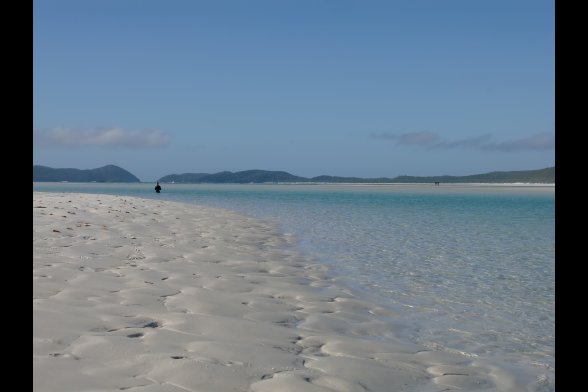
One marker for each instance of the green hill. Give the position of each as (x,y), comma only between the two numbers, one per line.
(112,173)
(226,177)
(108,173)
(545,176)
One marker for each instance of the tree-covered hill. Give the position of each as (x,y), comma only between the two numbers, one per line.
(108,173)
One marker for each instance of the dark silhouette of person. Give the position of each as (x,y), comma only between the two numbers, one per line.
(157,187)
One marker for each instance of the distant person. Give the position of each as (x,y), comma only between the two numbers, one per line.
(157,187)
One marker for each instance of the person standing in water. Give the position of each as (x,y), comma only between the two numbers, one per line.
(157,187)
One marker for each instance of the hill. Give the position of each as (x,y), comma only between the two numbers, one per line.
(108,173)
(242,177)
(545,176)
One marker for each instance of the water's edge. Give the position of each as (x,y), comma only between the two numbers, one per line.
(418,315)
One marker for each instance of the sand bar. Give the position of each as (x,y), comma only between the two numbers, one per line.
(145,295)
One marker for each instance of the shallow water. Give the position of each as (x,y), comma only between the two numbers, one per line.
(470,268)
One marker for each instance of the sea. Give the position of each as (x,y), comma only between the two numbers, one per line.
(469,267)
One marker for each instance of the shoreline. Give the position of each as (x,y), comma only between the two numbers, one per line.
(142,294)
(533,184)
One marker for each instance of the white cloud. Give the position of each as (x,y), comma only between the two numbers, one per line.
(542,141)
(432,140)
(101,137)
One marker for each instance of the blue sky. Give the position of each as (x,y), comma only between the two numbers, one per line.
(351,88)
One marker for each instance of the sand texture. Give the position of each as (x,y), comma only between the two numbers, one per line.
(146,295)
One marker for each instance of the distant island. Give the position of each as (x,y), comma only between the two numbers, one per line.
(541,176)
(108,173)
(112,173)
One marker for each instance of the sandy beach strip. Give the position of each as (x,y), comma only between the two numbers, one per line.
(146,295)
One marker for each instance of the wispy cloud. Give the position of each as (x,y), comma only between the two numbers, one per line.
(542,141)
(432,140)
(101,137)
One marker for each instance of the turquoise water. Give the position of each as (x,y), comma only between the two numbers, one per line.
(470,268)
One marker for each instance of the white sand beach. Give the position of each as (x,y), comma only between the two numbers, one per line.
(145,295)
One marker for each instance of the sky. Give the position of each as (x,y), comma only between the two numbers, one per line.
(362,88)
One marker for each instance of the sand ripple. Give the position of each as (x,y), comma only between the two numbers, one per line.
(144,295)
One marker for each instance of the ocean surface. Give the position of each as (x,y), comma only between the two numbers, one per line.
(471,268)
